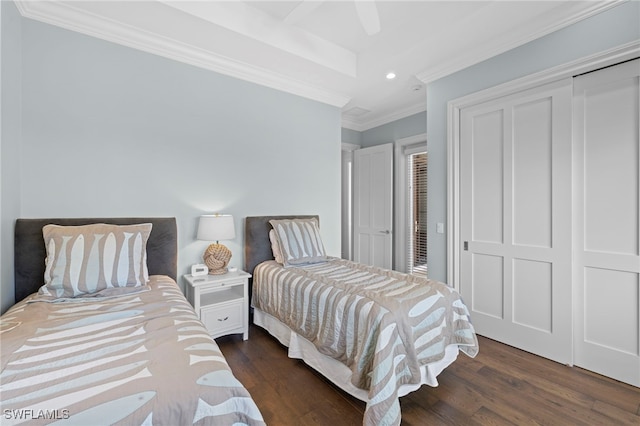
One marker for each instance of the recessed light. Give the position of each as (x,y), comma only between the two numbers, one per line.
(391,75)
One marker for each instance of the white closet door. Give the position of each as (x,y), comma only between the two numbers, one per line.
(515,218)
(607,226)
(373,205)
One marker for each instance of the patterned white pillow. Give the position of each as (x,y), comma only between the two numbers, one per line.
(88,259)
(299,241)
(275,247)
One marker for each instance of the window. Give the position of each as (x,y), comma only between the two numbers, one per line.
(410,228)
(417,213)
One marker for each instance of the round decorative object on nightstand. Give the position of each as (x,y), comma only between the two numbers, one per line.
(217,257)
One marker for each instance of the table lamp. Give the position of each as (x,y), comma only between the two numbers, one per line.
(215,228)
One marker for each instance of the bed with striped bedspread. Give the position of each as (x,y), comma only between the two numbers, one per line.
(383,325)
(141,359)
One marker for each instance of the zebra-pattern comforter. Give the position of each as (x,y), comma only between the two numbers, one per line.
(140,359)
(383,325)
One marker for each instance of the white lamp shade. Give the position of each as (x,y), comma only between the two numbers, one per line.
(216,227)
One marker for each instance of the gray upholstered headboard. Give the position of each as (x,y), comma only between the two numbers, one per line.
(30,252)
(257,247)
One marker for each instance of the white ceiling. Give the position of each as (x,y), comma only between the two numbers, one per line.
(319,49)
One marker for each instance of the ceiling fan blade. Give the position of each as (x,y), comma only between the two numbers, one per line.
(302,10)
(368,14)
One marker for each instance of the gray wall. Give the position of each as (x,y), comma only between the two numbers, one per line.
(612,28)
(351,136)
(111,131)
(10,158)
(412,125)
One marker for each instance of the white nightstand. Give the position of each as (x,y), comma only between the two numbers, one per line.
(221,302)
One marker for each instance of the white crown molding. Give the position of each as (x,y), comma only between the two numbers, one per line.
(75,19)
(351,124)
(260,26)
(362,125)
(346,146)
(475,56)
(617,54)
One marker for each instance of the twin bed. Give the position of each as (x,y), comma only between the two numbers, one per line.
(110,338)
(95,353)
(376,334)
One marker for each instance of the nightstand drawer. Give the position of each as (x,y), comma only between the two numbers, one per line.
(207,284)
(223,317)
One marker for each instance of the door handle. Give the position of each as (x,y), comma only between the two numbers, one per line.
(466,245)
(386,231)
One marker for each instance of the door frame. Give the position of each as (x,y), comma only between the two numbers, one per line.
(454,107)
(346,207)
(401,190)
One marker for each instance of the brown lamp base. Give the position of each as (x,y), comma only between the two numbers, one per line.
(217,257)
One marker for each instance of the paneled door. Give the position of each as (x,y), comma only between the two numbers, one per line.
(607,230)
(515,218)
(373,205)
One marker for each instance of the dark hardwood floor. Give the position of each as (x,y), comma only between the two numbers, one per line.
(501,386)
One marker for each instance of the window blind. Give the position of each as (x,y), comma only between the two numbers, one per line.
(417,211)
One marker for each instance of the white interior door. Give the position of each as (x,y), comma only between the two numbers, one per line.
(607,228)
(515,218)
(373,205)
